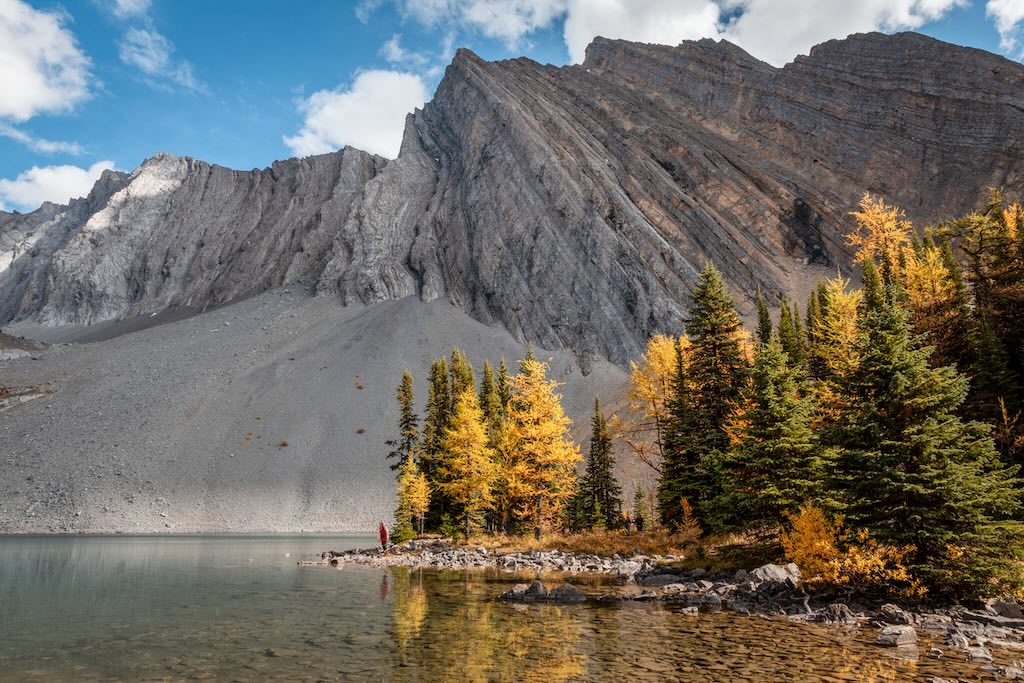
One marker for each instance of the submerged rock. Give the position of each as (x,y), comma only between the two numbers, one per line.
(538,592)
(897,636)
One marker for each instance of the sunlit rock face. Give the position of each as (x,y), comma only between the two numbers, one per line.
(573,206)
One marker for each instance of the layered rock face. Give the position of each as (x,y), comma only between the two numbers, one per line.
(574,206)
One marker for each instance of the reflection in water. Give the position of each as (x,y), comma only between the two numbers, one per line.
(235,608)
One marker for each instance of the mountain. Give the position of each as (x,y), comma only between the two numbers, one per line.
(568,207)
(571,205)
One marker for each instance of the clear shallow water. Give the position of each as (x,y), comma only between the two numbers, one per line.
(236,608)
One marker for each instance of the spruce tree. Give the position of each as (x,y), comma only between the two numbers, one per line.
(503,388)
(682,476)
(910,470)
(764,319)
(490,401)
(435,426)
(599,493)
(790,336)
(718,374)
(405,447)
(814,362)
(774,466)
(462,376)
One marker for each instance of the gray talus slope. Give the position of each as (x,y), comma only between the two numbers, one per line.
(573,206)
(178,427)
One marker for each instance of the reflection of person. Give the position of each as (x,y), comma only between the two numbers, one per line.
(639,523)
(382,532)
(384,586)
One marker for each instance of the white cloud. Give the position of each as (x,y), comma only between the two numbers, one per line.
(778,30)
(393,52)
(510,20)
(648,21)
(153,54)
(124,9)
(366,8)
(369,115)
(41,145)
(42,68)
(50,184)
(773,30)
(1009,17)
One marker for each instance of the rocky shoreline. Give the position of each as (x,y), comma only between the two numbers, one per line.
(772,590)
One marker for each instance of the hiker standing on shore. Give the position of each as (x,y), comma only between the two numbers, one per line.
(629,524)
(382,532)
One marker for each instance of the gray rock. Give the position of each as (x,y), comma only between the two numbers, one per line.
(536,591)
(1004,607)
(567,592)
(777,573)
(958,640)
(897,636)
(659,580)
(978,653)
(837,613)
(516,592)
(892,614)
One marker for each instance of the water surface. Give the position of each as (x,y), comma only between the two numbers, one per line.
(239,608)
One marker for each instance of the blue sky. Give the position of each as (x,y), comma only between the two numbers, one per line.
(93,84)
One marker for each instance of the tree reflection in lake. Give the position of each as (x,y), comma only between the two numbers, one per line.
(462,635)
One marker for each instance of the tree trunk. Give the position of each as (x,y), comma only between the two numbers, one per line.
(536,529)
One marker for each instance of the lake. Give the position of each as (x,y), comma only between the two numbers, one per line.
(239,608)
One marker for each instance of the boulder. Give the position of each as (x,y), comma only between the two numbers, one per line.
(536,591)
(566,593)
(659,580)
(837,613)
(777,573)
(977,653)
(516,592)
(897,636)
(892,614)
(1004,607)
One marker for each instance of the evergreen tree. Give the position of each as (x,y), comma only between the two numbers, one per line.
(490,401)
(503,388)
(461,371)
(435,426)
(468,470)
(682,475)
(639,502)
(910,470)
(718,374)
(764,319)
(791,335)
(405,447)
(774,467)
(814,364)
(599,494)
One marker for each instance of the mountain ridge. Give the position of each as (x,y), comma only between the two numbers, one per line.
(571,205)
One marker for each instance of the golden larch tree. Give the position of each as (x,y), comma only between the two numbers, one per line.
(882,234)
(650,389)
(541,453)
(468,470)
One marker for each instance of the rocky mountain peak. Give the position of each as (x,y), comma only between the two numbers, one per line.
(572,206)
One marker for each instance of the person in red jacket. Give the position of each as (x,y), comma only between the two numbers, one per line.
(382,532)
